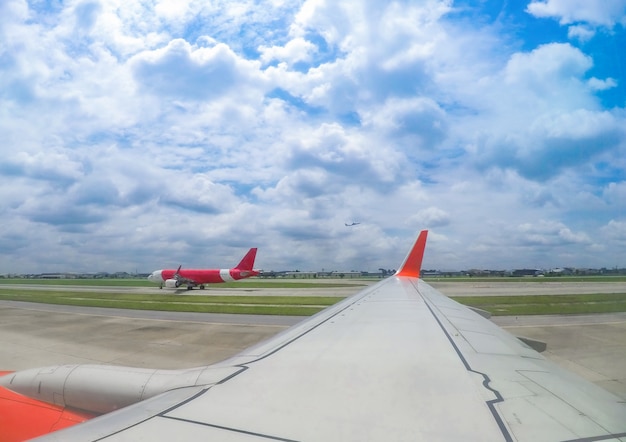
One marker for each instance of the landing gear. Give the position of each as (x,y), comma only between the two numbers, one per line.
(161,286)
(189,287)
(201,286)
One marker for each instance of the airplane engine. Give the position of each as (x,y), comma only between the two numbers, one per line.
(172,283)
(98,389)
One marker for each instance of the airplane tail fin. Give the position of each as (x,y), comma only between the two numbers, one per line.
(247,262)
(413,261)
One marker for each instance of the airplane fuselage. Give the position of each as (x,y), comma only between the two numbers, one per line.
(202,276)
(171,278)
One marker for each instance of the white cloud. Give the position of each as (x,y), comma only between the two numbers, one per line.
(295,50)
(544,117)
(183,71)
(419,122)
(347,156)
(596,12)
(550,233)
(174,9)
(431,217)
(601,85)
(12,10)
(616,231)
(580,32)
(139,134)
(615,192)
(547,65)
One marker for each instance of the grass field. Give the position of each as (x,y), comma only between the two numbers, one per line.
(258,305)
(304,283)
(292,305)
(548,304)
(248,283)
(538,280)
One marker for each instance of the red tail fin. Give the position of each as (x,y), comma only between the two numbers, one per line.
(413,261)
(247,262)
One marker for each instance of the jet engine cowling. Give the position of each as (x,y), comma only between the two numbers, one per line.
(101,389)
(172,283)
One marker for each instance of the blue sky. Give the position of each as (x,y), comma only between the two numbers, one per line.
(144,135)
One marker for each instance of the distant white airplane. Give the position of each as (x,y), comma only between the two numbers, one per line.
(397,361)
(352,224)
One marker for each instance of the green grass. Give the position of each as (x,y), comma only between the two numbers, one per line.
(537,280)
(262,305)
(304,305)
(78,282)
(246,284)
(548,304)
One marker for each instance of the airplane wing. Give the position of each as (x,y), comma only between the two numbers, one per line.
(180,279)
(397,361)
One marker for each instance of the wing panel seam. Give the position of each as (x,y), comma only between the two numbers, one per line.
(486,379)
(236,430)
(499,398)
(160,414)
(597,438)
(305,332)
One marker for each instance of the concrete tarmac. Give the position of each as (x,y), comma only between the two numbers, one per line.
(35,335)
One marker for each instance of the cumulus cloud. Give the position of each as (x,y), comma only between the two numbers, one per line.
(418,122)
(596,12)
(550,233)
(580,32)
(546,66)
(432,217)
(196,73)
(616,231)
(54,166)
(349,158)
(552,120)
(135,133)
(601,85)
(294,51)
(199,195)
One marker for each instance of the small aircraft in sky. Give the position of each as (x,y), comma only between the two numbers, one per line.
(199,277)
(352,224)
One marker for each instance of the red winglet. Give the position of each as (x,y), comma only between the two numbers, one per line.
(413,261)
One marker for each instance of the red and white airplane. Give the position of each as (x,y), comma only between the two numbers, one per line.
(200,277)
(397,361)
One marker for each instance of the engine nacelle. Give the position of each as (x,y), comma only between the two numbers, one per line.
(172,283)
(103,388)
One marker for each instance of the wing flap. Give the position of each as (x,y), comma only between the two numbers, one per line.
(536,400)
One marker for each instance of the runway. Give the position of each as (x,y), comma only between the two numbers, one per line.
(35,335)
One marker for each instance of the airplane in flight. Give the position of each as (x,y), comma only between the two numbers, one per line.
(397,361)
(352,224)
(199,277)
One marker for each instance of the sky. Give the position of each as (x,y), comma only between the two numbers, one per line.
(139,135)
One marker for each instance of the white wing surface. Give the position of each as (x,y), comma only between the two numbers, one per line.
(397,361)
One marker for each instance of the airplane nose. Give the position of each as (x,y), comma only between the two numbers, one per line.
(155,276)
